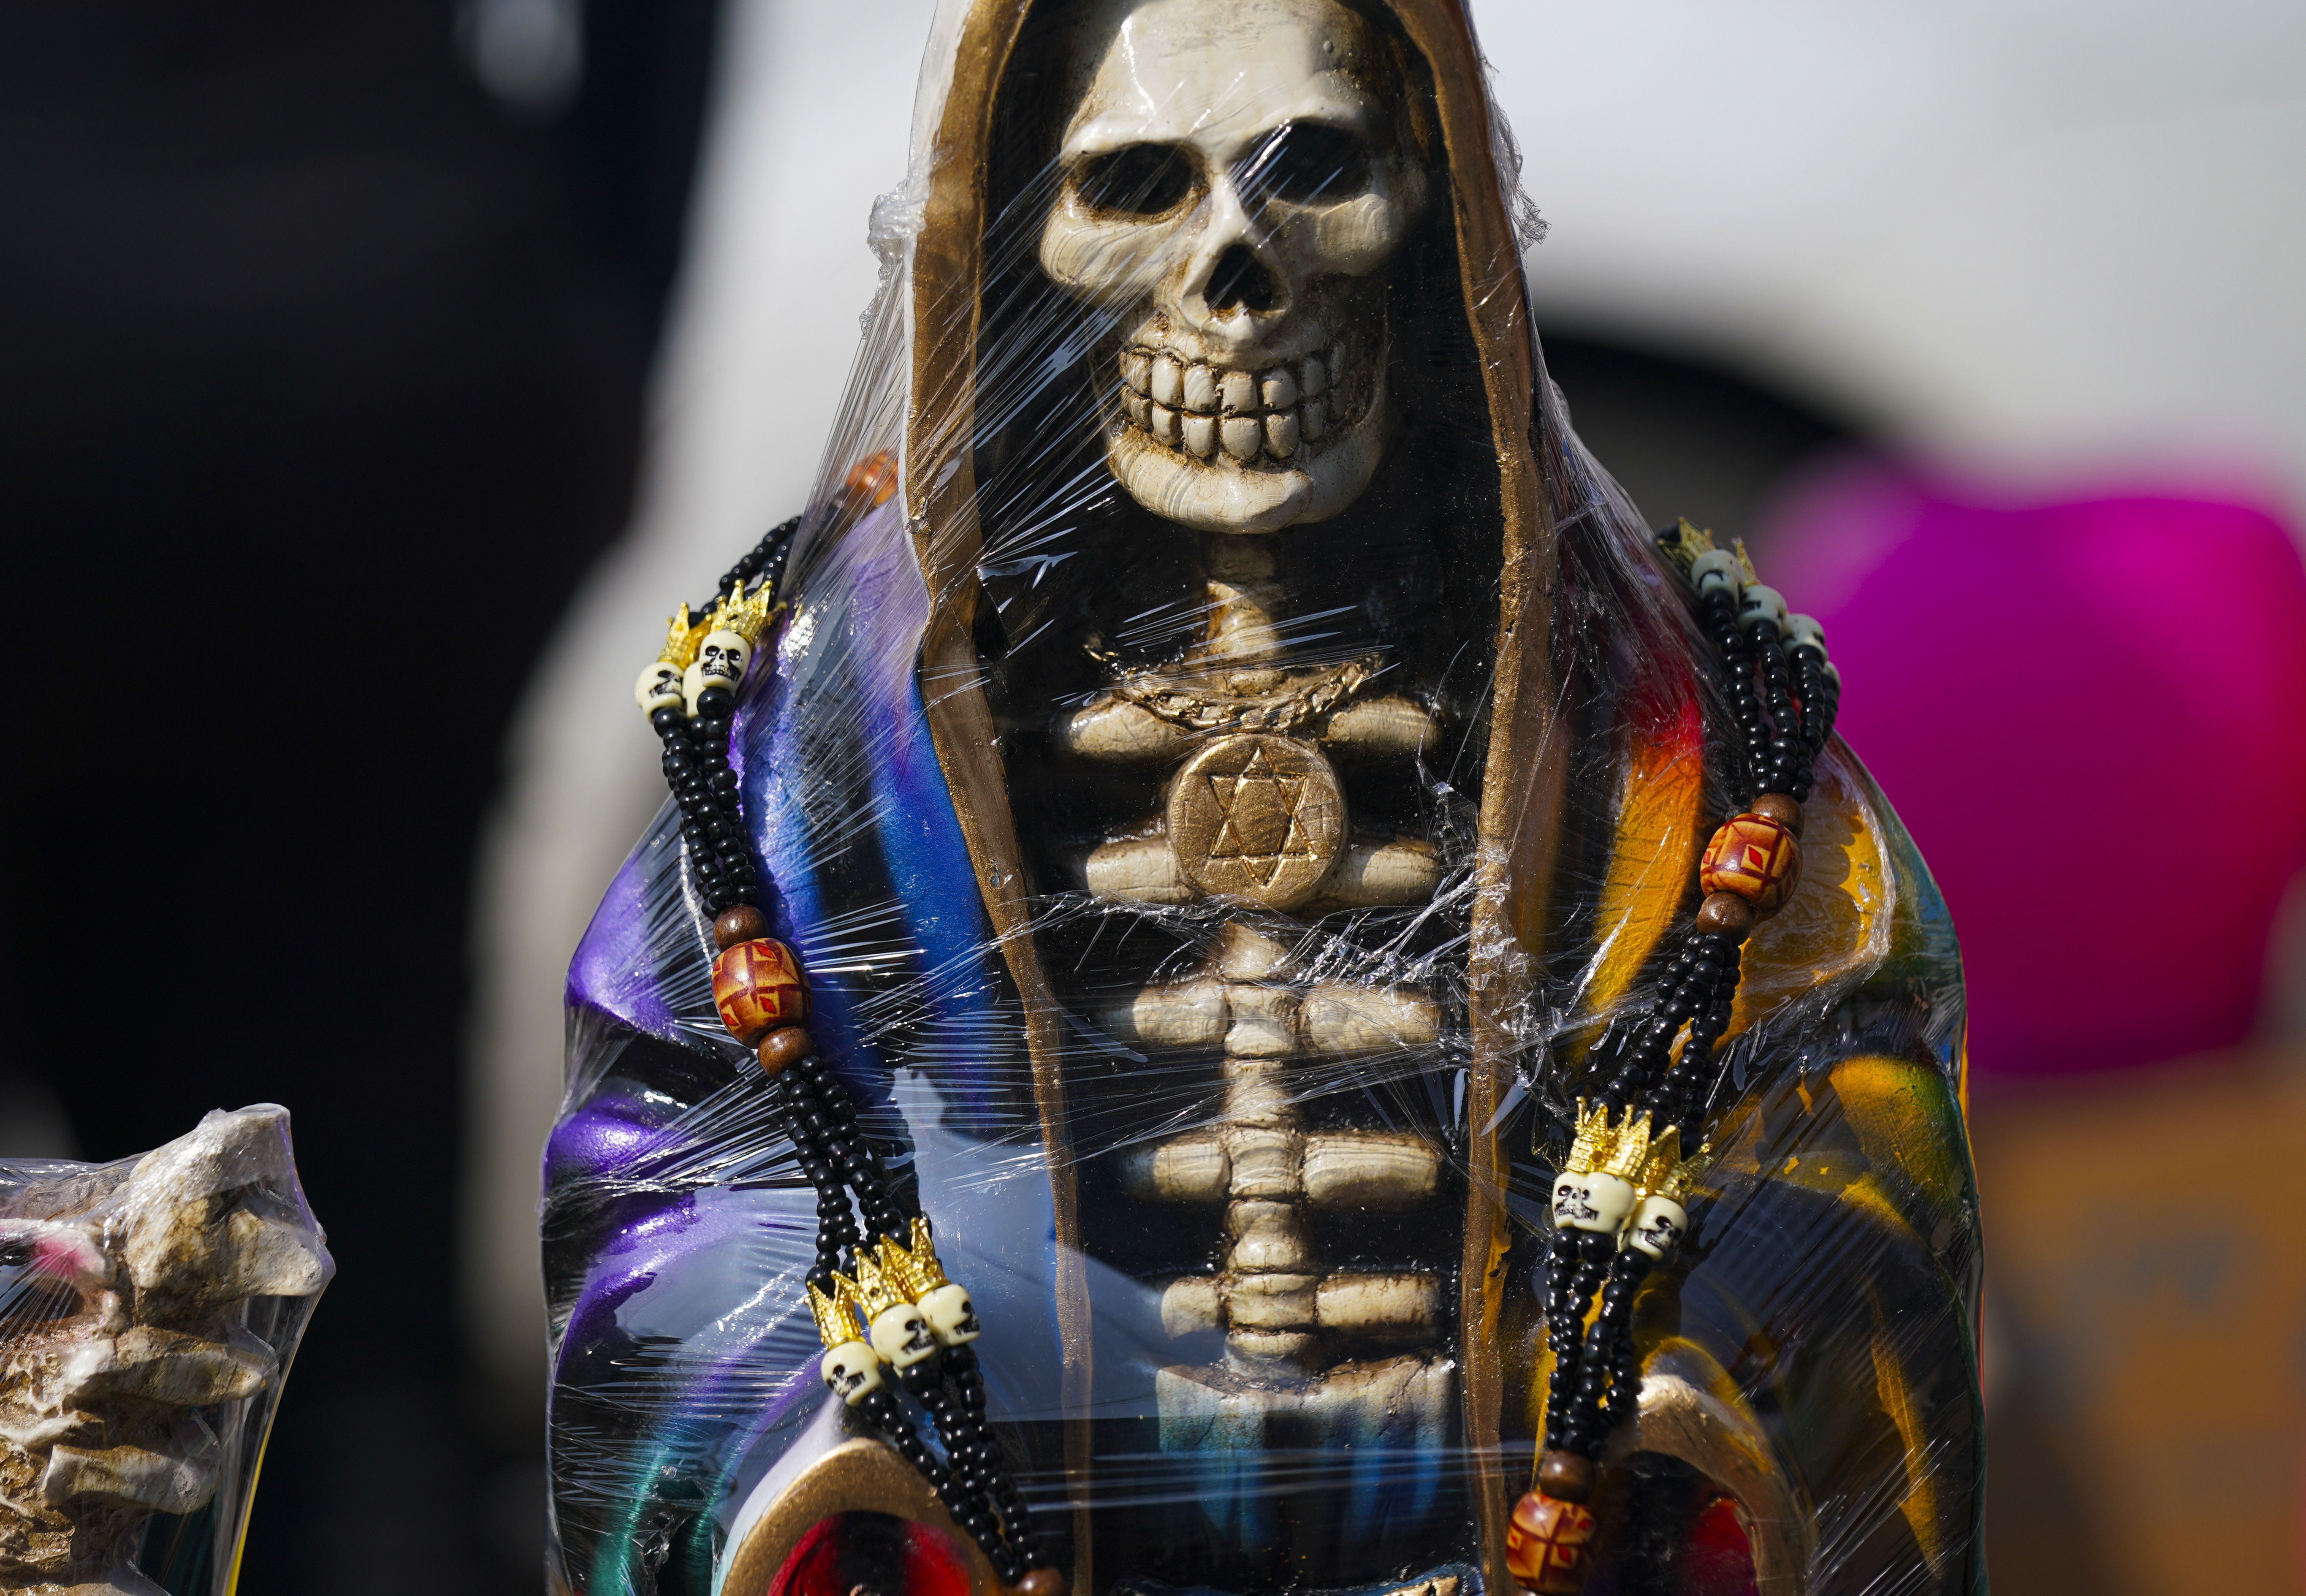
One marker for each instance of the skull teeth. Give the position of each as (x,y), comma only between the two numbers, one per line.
(1168,380)
(1204,409)
(1242,435)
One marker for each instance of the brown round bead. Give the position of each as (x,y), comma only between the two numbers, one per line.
(1726,912)
(1550,1545)
(1753,857)
(784,1047)
(758,986)
(872,480)
(1778,807)
(741,924)
(1565,1476)
(1041,1582)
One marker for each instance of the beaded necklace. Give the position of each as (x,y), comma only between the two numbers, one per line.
(880,1297)
(876,1289)
(1618,1204)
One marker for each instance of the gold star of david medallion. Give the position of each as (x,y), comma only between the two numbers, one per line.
(1256,818)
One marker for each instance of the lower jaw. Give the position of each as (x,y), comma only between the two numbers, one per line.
(1219,495)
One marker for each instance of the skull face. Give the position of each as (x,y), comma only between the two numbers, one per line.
(851,1372)
(1237,180)
(1595,1201)
(659,686)
(952,1315)
(1658,1226)
(721,658)
(900,1334)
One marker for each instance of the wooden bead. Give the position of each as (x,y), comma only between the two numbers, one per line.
(784,1047)
(1726,913)
(758,986)
(1565,1476)
(741,924)
(872,480)
(1041,1582)
(1780,808)
(1550,1545)
(1753,857)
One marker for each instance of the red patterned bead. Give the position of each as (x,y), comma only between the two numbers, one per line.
(757,985)
(1549,1545)
(1753,857)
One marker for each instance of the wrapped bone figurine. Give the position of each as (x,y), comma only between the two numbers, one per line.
(1248,985)
(151,1308)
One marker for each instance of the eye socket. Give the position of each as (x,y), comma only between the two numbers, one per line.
(1140,180)
(1300,162)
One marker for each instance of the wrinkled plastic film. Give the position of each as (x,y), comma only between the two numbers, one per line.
(1212,1091)
(150,1309)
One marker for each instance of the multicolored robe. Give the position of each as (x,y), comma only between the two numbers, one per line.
(1810,1396)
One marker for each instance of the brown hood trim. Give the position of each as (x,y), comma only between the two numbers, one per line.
(1518,811)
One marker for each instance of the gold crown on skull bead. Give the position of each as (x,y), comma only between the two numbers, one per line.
(682,638)
(838,1316)
(746,614)
(1596,1140)
(915,1271)
(1628,1152)
(1665,1172)
(876,1291)
(1629,1149)
(1686,544)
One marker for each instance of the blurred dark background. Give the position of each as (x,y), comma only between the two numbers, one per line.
(324,373)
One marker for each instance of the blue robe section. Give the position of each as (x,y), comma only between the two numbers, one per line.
(678,1227)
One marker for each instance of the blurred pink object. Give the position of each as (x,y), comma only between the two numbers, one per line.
(2092,717)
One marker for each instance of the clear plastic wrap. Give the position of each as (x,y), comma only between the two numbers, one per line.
(152,1307)
(1232,767)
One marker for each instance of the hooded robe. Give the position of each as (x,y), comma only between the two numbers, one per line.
(1809,1406)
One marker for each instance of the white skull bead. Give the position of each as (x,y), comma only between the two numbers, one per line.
(1238,183)
(1593,1202)
(851,1370)
(1758,601)
(723,657)
(720,662)
(902,1335)
(1716,570)
(1658,1225)
(659,687)
(952,1315)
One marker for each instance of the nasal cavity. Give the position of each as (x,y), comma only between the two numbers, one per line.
(1238,283)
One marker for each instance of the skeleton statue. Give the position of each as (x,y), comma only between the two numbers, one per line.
(1224,778)
(150,1311)
(1236,185)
